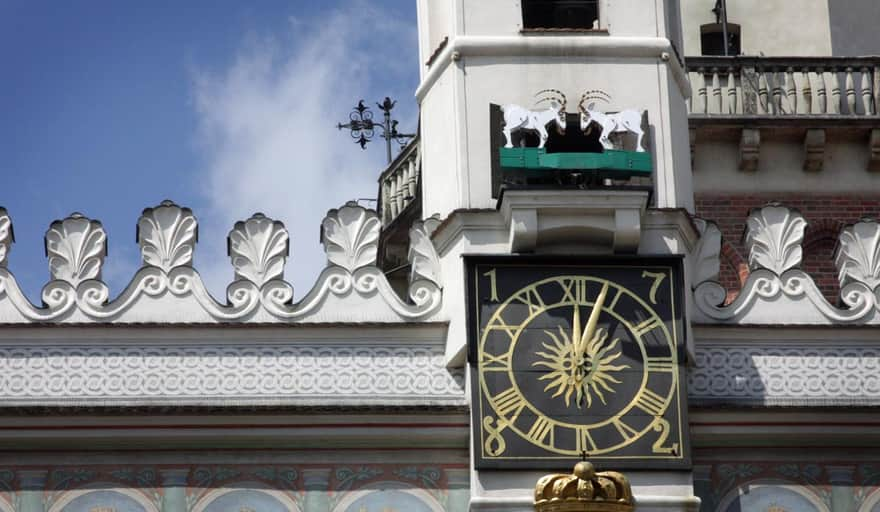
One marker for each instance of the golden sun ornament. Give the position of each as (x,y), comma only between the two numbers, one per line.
(580,363)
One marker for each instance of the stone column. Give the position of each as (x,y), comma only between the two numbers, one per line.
(32,486)
(842,488)
(459,489)
(174,489)
(317,486)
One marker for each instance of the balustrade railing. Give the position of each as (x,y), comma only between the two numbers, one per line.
(784,86)
(398,185)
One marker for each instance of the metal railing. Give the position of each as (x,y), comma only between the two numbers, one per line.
(398,184)
(784,86)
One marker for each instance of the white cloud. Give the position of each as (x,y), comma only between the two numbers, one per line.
(267,128)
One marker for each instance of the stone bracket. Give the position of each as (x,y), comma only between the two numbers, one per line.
(749,149)
(600,221)
(814,150)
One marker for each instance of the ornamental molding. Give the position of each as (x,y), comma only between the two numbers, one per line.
(781,373)
(706,256)
(773,238)
(189,372)
(857,256)
(76,247)
(778,292)
(167,289)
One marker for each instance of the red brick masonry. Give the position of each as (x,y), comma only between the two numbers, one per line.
(825,215)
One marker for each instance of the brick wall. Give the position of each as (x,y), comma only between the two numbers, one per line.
(825,215)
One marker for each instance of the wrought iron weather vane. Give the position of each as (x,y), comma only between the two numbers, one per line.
(362,126)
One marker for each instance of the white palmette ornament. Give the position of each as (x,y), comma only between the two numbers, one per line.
(517,118)
(619,122)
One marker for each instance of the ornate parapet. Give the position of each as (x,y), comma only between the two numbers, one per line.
(777,291)
(167,289)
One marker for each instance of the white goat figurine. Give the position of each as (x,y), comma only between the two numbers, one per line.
(517,118)
(619,122)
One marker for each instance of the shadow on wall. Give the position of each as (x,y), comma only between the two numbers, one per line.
(854,27)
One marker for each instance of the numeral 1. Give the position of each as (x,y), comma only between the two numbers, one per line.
(541,429)
(509,401)
(493,285)
(650,402)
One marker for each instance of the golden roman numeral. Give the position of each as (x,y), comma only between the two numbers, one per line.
(575,291)
(585,441)
(496,363)
(660,364)
(625,430)
(613,303)
(509,401)
(541,429)
(533,300)
(650,402)
(647,326)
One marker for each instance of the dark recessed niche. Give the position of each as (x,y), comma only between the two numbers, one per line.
(560,14)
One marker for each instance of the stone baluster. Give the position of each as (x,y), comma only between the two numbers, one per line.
(807,92)
(731,90)
(867,103)
(701,92)
(413,174)
(716,92)
(835,92)
(791,91)
(689,101)
(748,79)
(850,92)
(392,196)
(398,196)
(174,486)
(776,87)
(763,103)
(32,484)
(821,92)
(386,203)
(876,88)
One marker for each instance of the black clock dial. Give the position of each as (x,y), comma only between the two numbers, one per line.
(576,360)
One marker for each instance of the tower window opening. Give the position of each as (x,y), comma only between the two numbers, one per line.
(560,14)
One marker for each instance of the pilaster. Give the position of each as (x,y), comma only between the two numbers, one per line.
(32,484)
(317,485)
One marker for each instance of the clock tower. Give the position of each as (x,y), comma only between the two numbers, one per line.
(555,152)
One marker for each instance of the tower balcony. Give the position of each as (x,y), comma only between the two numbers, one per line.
(815,110)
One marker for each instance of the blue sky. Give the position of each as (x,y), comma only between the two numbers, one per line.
(108,107)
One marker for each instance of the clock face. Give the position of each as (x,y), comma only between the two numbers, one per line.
(575,360)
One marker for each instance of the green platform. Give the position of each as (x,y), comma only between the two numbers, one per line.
(615,162)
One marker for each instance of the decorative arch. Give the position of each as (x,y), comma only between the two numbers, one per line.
(5,506)
(211,497)
(68,497)
(794,491)
(364,493)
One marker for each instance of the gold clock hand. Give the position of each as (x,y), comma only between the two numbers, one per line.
(590,330)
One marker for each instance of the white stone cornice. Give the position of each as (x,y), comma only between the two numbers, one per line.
(557,46)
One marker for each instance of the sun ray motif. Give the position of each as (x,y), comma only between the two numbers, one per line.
(580,365)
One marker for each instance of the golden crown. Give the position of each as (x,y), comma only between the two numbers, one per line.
(584,491)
